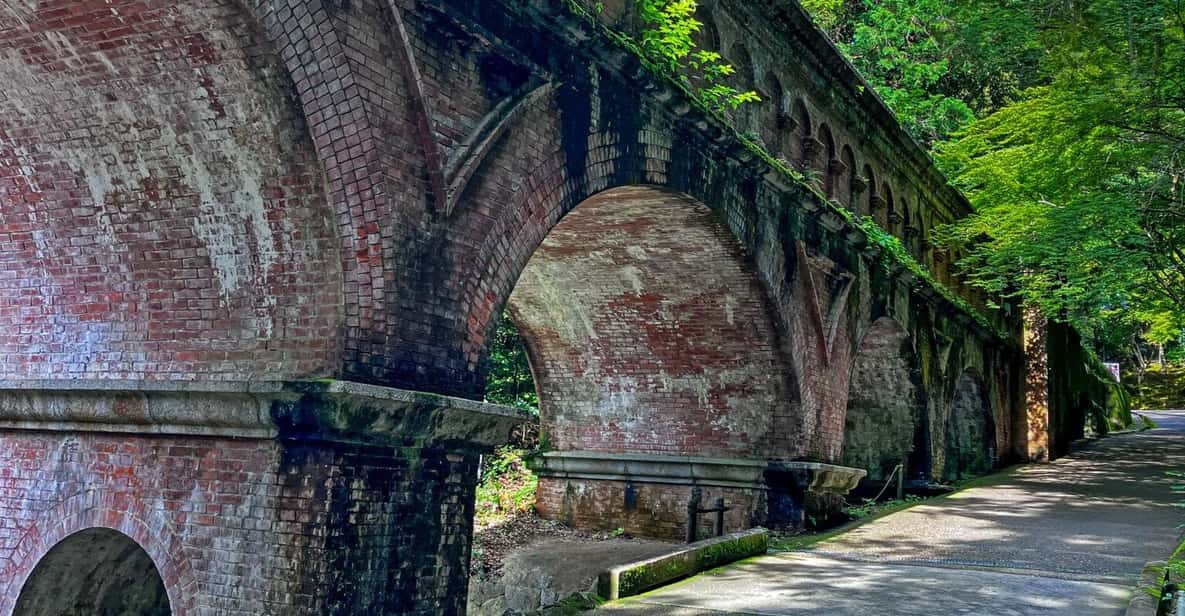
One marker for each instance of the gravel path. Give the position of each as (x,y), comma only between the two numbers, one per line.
(1066,538)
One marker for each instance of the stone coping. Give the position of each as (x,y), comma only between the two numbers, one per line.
(327,409)
(1142,603)
(638,577)
(693,470)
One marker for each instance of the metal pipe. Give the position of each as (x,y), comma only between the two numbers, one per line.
(719,517)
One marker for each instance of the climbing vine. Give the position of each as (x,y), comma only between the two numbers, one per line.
(668,39)
(668,44)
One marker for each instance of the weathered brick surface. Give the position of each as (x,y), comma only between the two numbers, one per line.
(886,418)
(249,527)
(215,190)
(163,213)
(630,357)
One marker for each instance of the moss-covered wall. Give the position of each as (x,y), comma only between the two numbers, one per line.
(1083,398)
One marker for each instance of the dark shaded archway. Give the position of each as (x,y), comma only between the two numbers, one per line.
(886,422)
(970,430)
(95,572)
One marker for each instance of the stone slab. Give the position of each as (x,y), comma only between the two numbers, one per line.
(634,578)
(326,409)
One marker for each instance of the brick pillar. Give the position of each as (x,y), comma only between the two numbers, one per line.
(1036,331)
(303,499)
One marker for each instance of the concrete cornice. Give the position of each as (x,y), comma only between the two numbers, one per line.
(693,470)
(326,410)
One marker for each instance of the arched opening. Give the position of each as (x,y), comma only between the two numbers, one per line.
(772,113)
(803,136)
(883,213)
(707,37)
(828,162)
(649,334)
(906,232)
(846,183)
(887,422)
(95,572)
(647,329)
(970,430)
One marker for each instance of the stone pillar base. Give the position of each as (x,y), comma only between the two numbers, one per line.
(647,495)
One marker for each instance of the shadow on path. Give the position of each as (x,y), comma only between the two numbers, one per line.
(1064,538)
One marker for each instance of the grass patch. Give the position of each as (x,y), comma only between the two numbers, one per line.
(507,487)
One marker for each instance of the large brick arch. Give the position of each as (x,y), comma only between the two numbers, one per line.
(164,213)
(649,332)
(568,157)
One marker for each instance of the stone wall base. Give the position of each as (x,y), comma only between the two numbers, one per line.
(648,495)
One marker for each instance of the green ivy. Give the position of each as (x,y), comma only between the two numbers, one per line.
(891,250)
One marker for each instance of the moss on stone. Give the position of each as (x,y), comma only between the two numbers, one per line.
(892,254)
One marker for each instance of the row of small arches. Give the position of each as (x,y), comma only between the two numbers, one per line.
(788,130)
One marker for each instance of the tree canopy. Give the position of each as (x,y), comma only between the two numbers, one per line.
(1064,123)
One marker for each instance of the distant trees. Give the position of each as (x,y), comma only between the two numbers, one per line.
(510,381)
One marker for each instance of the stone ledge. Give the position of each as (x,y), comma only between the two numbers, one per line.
(692,470)
(328,409)
(1142,603)
(636,578)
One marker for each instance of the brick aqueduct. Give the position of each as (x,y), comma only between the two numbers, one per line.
(251,255)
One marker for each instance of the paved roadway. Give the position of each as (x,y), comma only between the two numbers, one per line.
(1068,538)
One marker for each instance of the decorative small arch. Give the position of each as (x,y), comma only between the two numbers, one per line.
(742,61)
(884,213)
(846,182)
(708,35)
(96,571)
(802,134)
(970,430)
(772,112)
(870,198)
(828,162)
(903,229)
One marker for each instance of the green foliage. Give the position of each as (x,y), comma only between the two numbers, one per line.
(507,487)
(510,381)
(1078,184)
(936,63)
(668,40)
(1157,388)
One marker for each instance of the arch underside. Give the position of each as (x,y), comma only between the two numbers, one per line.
(649,332)
(95,572)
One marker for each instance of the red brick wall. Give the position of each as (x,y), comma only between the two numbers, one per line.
(163,210)
(649,331)
(248,527)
